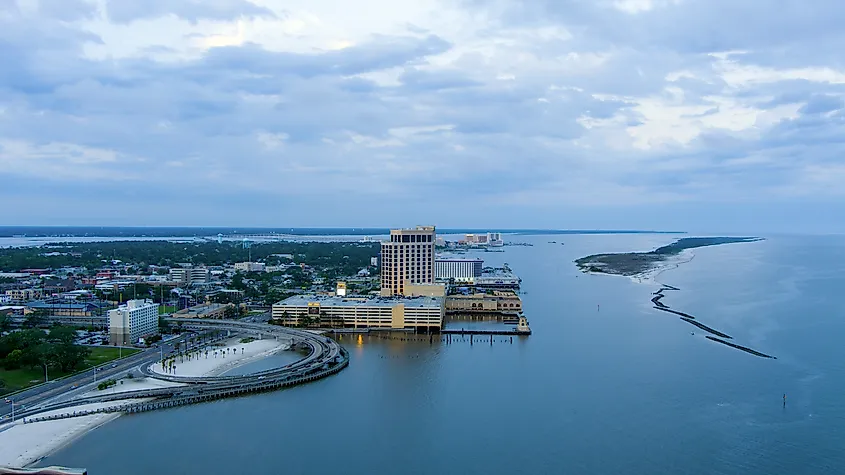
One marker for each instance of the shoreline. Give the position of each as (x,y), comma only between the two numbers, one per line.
(657,266)
(26,445)
(647,265)
(106,418)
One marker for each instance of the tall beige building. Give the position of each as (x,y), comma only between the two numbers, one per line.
(407,259)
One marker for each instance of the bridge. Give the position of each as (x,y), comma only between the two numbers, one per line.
(325,357)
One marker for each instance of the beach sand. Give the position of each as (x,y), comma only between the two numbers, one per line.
(24,444)
(236,354)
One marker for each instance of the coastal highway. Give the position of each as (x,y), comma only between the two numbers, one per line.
(325,357)
(64,389)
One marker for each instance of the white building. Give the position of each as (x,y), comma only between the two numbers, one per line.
(133,320)
(374,261)
(250,266)
(459,269)
(190,275)
(495,239)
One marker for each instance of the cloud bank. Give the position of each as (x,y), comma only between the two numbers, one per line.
(717,115)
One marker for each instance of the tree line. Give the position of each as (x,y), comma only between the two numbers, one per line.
(38,348)
(346,257)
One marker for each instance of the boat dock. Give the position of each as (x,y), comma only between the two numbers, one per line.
(462,331)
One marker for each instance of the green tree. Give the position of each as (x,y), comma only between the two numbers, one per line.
(68,356)
(62,334)
(13,359)
(238,281)
(36,318)
(163,325)
(4,322)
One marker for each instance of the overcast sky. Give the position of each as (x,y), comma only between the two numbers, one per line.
(697,115)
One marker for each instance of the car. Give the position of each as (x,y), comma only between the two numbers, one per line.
(114,365)
(7,401)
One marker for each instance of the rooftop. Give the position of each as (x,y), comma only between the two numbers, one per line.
(201,309)
(457,259)
(334,301)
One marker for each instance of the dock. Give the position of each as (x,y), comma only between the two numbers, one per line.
(486,332)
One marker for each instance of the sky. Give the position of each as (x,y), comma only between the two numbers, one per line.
(691,115)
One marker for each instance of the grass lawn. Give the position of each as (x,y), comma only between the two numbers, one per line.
(17,379)
(164,309)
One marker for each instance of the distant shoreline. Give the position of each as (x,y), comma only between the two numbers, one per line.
(634,264)
(209,231)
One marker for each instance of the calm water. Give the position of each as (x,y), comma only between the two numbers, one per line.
(623,389)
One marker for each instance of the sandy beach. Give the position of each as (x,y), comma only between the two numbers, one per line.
(24,444)
(227,357)
(650,276)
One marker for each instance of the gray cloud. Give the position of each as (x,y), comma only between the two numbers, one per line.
(67,10)
(249,126)
(126,11)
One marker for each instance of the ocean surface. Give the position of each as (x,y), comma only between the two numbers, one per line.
(605,384)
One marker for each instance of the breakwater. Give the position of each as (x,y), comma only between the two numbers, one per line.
(706,328)
(743,348)
(659,305)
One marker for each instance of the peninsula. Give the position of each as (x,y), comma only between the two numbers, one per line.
(638,263)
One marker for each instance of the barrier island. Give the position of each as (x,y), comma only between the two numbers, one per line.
(637,263)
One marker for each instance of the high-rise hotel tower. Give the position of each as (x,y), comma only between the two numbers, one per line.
(407,258)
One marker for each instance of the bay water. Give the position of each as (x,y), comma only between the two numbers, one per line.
(605,384)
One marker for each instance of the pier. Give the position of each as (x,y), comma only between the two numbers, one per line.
(487,332)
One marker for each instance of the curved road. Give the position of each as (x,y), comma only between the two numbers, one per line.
(324,353)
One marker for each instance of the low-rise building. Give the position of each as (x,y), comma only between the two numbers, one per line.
(497,279)
(496,302)
(459,269)
(190,275)
(24,294)
(12,310)
(63,308)
(206,310)
(420,313)
(250,266)
(132,321)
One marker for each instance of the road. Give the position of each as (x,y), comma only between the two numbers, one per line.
(64,389)
(325,357)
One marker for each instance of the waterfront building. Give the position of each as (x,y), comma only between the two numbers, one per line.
(250,266)
(407,258)
(495,239)
(190,275)
(133,320)
(457,269)
(418,313)
(497,302)
(475,239)
(497,279)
